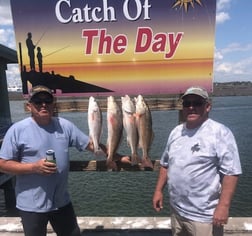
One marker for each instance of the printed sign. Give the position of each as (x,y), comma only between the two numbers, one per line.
(115,47)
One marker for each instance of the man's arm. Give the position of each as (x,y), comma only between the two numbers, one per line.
(221,212)
(15,168)
(157,199)
(119,157)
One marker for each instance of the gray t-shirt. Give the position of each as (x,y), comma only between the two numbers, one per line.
(196,160)
(28,142)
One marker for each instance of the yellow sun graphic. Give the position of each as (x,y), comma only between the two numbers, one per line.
(185,3)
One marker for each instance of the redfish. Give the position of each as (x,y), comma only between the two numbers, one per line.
(115,130)
(95,125)
(144,127)
(129,124)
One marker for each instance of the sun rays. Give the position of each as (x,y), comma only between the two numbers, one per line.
(186,3)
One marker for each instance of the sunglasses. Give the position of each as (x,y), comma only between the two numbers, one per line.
(193,103)
(40,101)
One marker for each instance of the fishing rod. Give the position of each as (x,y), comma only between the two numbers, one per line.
(58,50)
(42,36)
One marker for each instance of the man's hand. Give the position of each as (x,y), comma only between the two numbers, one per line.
(157,201)
(220,216)
(44,167)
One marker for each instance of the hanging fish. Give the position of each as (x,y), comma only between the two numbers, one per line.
(145,132)
(95,125)
(115,129)
(129,124)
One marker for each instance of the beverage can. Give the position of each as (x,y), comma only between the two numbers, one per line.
(50,156)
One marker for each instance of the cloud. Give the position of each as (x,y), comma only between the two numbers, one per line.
(221,11)
(13,75)
(224,67)
(237,47)
(232,62)
(7,36)
(226,71)
(222,17)
(218,55)
(5,16)
(238,70)
(223,4)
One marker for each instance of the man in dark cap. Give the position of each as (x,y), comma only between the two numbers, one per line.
(201,166)
(41,185)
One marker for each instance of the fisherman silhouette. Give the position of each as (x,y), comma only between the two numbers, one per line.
(40,60)
(31,47)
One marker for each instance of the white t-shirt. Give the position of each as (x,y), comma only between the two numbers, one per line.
(196,159)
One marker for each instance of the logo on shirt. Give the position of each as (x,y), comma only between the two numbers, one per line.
(195,148)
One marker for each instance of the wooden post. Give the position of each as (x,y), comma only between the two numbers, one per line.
(9,194)
(5,116)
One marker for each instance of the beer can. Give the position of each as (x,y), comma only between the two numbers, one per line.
(50,156)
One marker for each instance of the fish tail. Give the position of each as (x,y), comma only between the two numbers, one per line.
(100,153)
(111,165)
(147,163)
(134,159)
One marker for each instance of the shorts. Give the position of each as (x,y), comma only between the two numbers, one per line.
(185,227)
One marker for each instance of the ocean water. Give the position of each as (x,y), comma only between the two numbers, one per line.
(130,193)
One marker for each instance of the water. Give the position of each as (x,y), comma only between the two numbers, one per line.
(130,193)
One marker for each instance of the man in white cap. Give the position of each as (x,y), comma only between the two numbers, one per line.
(201,166)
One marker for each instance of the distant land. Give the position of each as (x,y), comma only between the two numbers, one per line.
(219,90)
(232,89)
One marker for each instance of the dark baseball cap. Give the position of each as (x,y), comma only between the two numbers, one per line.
(39,89)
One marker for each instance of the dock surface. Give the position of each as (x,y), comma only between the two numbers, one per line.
(114,226)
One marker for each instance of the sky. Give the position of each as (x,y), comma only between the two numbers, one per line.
(233,41)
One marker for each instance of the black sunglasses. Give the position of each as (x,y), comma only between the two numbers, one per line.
(40,101)
(193,103)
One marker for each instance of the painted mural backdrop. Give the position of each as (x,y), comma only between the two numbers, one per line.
(115,47)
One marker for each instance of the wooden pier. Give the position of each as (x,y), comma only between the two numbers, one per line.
(101,166)
(160,103)
(125,226)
